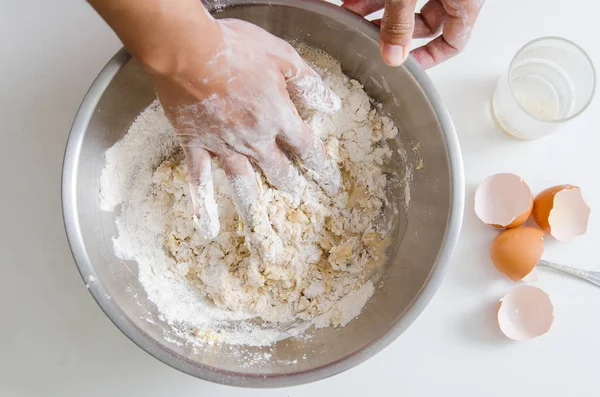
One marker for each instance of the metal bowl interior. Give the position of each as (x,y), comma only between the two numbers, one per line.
(427,230)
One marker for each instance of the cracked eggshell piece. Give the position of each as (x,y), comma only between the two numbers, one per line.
(532,277)
(561,212)
(503,201)
(515,252)
(526,312)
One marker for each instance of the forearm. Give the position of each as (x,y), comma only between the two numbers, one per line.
(157,32)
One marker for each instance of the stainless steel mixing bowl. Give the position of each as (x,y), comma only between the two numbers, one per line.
(423,242)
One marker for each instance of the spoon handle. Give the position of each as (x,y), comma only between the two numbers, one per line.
(592,277)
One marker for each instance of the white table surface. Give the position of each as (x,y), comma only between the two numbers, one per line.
(55,340)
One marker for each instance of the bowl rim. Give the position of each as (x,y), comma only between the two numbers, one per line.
(181,363)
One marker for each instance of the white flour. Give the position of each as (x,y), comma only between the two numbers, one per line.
(324,256)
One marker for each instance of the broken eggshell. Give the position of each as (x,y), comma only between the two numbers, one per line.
(531,277)
(561,212)
(503,201)
(525,312)
(515,252)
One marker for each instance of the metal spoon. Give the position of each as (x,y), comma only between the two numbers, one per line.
(592,277)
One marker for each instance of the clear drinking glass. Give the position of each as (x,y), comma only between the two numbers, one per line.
(549,82)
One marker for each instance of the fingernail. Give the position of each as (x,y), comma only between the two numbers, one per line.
(393,55)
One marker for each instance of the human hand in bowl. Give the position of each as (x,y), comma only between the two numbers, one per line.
(235,105)
(225,86)
(454,19)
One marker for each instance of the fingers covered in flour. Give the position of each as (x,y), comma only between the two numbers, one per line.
(244,188)
(306,86)
(302,82)
(311,151)
(242,180)
(200,178)
(311,90)
(279,170)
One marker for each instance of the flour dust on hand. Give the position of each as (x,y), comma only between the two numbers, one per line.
(307,260)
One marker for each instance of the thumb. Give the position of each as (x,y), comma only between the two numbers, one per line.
(397,26)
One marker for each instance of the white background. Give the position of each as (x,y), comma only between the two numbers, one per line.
(55,341)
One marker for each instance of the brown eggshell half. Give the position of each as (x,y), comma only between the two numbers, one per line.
(503,201)
(526,312)
(561,212)
(515,252)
